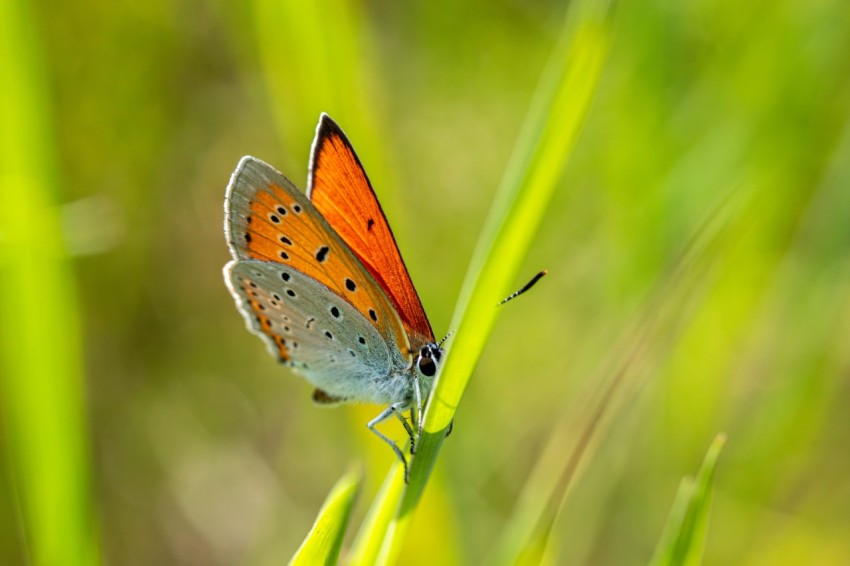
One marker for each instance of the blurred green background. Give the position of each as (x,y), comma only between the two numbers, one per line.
(124,121)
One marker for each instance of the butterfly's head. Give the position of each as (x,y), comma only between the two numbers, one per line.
(428,359)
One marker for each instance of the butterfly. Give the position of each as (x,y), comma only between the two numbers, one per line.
(319,277)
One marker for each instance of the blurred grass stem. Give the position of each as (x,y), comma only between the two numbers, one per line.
(42,393)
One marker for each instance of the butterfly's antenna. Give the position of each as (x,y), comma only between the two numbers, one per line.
(524,288)
(446,337)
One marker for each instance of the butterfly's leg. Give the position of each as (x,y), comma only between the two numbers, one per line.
(385,414)
(418,393)
(451,428)
(408,428)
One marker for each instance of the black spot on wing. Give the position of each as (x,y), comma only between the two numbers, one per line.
(322,254)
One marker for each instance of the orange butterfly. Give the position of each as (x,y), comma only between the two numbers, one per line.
(320,279)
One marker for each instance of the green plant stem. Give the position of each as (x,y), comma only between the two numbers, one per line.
(549,134)
(683,539)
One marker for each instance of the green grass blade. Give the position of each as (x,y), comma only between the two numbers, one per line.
(324,540)
(367,545)
(555,119)
(41,386)
(683,539)
(574,440)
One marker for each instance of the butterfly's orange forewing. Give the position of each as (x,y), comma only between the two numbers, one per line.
(341,191)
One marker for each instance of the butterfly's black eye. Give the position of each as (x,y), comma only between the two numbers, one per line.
(427,366)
